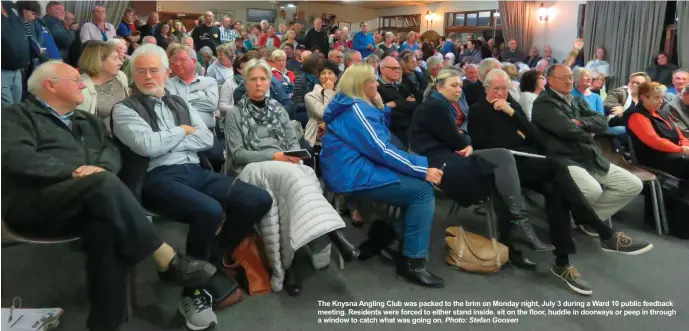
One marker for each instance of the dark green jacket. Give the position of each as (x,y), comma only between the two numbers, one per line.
(38,149)
(565,140)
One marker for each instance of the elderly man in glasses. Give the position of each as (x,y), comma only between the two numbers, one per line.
(59,178)
(568,125)
(398,97)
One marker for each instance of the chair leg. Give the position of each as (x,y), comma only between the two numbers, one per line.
(656,212)
(663,211)
(341,260)
(130,295)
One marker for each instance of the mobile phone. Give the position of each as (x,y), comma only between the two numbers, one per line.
(300,153)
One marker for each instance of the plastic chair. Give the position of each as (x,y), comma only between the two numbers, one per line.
(15,238)
(646,177)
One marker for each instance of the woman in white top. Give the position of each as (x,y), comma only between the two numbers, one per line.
(105,84)
(221,69)
(599,65)
(317,100)
(226,104)
(531,84)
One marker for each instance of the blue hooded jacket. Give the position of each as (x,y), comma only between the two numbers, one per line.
(357,153)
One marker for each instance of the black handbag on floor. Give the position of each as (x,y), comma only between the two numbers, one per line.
(677,209)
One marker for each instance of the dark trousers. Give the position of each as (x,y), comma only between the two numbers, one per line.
(674,164)
(215,154)
(562,197)
(114,230)
(201,198)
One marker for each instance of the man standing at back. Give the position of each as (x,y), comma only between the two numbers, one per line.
(15,53)
(568,126)
(54,20)
(316,38)
(363,41)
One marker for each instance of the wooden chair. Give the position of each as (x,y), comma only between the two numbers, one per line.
(12,238)
(647,178)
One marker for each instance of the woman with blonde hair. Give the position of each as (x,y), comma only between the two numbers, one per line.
(105,84)
(358,159)
(221,69)
(513,73)
(657,141)
(285,77)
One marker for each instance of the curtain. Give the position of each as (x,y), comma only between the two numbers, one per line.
(83,10)
(630,32)
(683,33)
(518,21)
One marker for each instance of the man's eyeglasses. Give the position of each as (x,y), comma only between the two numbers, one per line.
(393,68)
(564,78)
(77,80)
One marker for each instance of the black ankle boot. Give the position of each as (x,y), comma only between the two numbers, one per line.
(521,230)
(415,271)
(348,251)
(518,259)
(292,282)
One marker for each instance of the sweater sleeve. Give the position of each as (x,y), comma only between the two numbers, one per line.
(440,125)
(643,129)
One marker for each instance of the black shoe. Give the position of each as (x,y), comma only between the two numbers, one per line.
(415,271)
(523,232)
(292,282)
(480,209)
(572,278)
(348,251)
(188,272)
(518,259)
(622,243)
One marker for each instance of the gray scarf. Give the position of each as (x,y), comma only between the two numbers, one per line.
(269,115)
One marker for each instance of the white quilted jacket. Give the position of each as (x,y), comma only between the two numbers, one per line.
(300,214)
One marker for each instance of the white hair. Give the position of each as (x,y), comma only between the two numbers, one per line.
(256,64)
(487,65)
(151,49)
(578,72)
(542,61)
(150,40)
(434,61)
(205,50)
(493,75)
(44,72)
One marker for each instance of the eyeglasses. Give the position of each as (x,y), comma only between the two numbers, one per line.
(143,72)
(393,68)
(77,80)
(564,78)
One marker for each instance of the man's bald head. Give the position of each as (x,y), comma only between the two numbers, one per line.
(390,69)
(57,83)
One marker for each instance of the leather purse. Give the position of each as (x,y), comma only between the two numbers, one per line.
(249,268)
(473,253)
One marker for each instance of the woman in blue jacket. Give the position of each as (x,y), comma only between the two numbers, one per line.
(358,159)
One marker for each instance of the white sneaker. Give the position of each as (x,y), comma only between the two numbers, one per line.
(197,311)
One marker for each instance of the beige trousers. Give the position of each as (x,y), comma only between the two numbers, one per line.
(609,193)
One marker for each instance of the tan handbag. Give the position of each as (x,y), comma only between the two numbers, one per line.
(473,253)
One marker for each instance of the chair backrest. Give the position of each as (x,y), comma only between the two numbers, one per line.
(11,237)
(605,145)
(632,151)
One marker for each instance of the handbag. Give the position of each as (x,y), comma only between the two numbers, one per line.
(473,253)
(249,268)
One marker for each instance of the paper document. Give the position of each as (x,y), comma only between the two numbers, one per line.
(30,319)
(536,156)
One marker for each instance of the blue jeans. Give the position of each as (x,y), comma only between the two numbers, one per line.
(417,199)
(616,130)
(11,87)
(200,198)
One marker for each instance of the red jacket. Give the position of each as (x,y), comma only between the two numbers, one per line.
(280,77)
(264,38)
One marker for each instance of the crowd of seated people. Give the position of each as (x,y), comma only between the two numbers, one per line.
(210,127)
